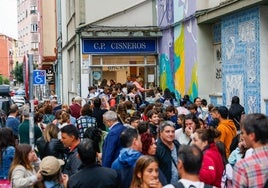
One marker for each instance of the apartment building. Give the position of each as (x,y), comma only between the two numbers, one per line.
(37,29)
(6,57)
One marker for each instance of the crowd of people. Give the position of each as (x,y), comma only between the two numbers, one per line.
(124,135)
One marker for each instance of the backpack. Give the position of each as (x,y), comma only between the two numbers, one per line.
(180,185)
(226,181)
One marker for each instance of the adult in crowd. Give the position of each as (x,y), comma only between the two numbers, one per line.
(49,144)
(76,107)
(105,96)
(149,107)
(52,95)
(212,165)
(129,81)
(226,180)
(146,173)
(48,114)
(139,85)
(24,127)
(139,103)
(190,124)
(143,127)
(194,110)
(65,120)
(182,109)
(131,151)
(70,139)
(7,151)
(22,173)
(153,122)
(12,120)
(50,169)
(172,115)
(97,136)
(167,99)
(134,121)
(167,150)
(92,92)
(189,165)
(66,108)
(131,93)
(252,170)
(239,152)
(148,144)
(122,114)
(91,173)
(98,113)
(235,111)
(198,102)
(38,120)
(55,106)
(85,120)
(187,99)
(57,120)
(111,146)
(149,148)
(130,108)
(226,127)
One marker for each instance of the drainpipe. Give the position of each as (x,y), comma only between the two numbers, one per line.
(78,61)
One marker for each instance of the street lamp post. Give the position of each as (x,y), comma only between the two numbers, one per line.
(31,99)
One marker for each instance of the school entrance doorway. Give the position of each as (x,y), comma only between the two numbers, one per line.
(118,68)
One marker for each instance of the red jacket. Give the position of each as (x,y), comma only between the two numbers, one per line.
(212,166)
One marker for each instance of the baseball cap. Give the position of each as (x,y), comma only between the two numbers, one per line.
(50,165)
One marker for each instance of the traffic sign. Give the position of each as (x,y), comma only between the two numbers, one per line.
(39,77)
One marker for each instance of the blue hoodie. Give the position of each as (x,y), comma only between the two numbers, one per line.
(127,158)
(124,165)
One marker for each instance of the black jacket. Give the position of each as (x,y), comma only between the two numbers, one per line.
(54,148)
(94,176)
(97,113)
(163,155)
(235,112)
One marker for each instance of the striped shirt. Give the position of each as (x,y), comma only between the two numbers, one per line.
(252,171)
(84,122)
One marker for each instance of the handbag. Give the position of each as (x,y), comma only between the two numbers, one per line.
(4,183)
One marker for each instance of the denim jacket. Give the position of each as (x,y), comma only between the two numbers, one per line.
(7,157)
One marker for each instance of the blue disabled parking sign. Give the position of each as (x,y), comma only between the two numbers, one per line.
(39,77)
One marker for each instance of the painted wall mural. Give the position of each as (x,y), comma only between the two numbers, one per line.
(241,59)
(178,58)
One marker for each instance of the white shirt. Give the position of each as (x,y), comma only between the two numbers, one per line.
(181,137)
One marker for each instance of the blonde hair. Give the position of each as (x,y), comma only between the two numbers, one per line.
(51,131)
(139,79)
